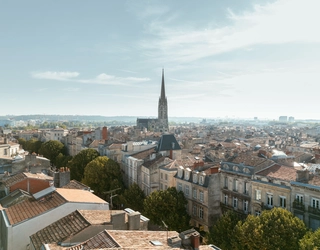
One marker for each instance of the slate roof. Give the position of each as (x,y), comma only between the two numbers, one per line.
(31,208)
(279,172)
(168,142)
(60,230)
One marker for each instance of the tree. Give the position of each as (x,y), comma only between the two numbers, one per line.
(22,142)
(310,241)
(168,206)
(33,145)
(51,149)
(80,161)
(133,198)
(274,229)
(62,160)
(222,233)
(103,174)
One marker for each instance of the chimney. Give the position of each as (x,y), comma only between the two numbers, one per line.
(195,240)
(302,175)
(104,133)
(118,221)
(134,221)
(214,170)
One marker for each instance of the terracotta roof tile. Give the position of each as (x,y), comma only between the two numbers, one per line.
(59,230)
(73,184)
(31,208)
(279,172)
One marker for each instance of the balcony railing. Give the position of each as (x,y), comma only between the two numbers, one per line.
(314,210)
(298,205)
(267,207)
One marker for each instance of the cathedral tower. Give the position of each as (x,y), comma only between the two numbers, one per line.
(163,108)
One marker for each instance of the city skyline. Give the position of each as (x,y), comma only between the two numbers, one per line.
(237,59)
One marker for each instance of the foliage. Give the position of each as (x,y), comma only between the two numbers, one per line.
(22,142)
(133,198)
(222,233)
(310,241)
(168,206)
(62,160)
(51,149)
(32,145)
(103,174)
(274,229)
(80,161)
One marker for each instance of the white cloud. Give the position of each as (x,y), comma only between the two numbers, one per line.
(54,75)
(284,21)
(100,79)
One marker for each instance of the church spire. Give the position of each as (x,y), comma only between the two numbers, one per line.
(163,94)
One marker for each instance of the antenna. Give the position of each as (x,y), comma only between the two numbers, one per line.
(165,225)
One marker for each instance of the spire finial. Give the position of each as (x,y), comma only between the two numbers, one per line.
(163,93)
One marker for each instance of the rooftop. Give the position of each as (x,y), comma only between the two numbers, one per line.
(31,208)
(77,195)
(279,172)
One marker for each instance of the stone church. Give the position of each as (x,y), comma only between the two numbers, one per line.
(160,124)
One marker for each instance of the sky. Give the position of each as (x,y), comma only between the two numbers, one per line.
(221,58)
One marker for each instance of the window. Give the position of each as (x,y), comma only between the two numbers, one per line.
(186,191)
(258,195)
(195,177)
(245,206)
(235,185)
(179,187)
(315,203)
(299,198)
(201,212)
(245,188)
(165,187)
(283,202)
(201,180)
(194,193)
(201,196)
(258,213)
(226,199)
(194,210)
(226,182)
(270,200)
(166,177)
(235,203)
(161,176)
(161,186)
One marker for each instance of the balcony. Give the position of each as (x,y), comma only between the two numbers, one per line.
(298,205)
(267,207)
(314,210)
(238,194)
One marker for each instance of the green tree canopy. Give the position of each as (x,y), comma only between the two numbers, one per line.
(222,233)
(103,174)
(62,160)
(310,241)
(51,149)
(168,206)
(133,198)
(274,229)
(80,161)
(22,142)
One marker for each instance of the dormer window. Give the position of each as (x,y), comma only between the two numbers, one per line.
(195,177)
(225,166)
(180,172)
(235,168)
(201,179)
(187,173)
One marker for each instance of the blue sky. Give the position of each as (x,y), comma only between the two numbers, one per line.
(226,58)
